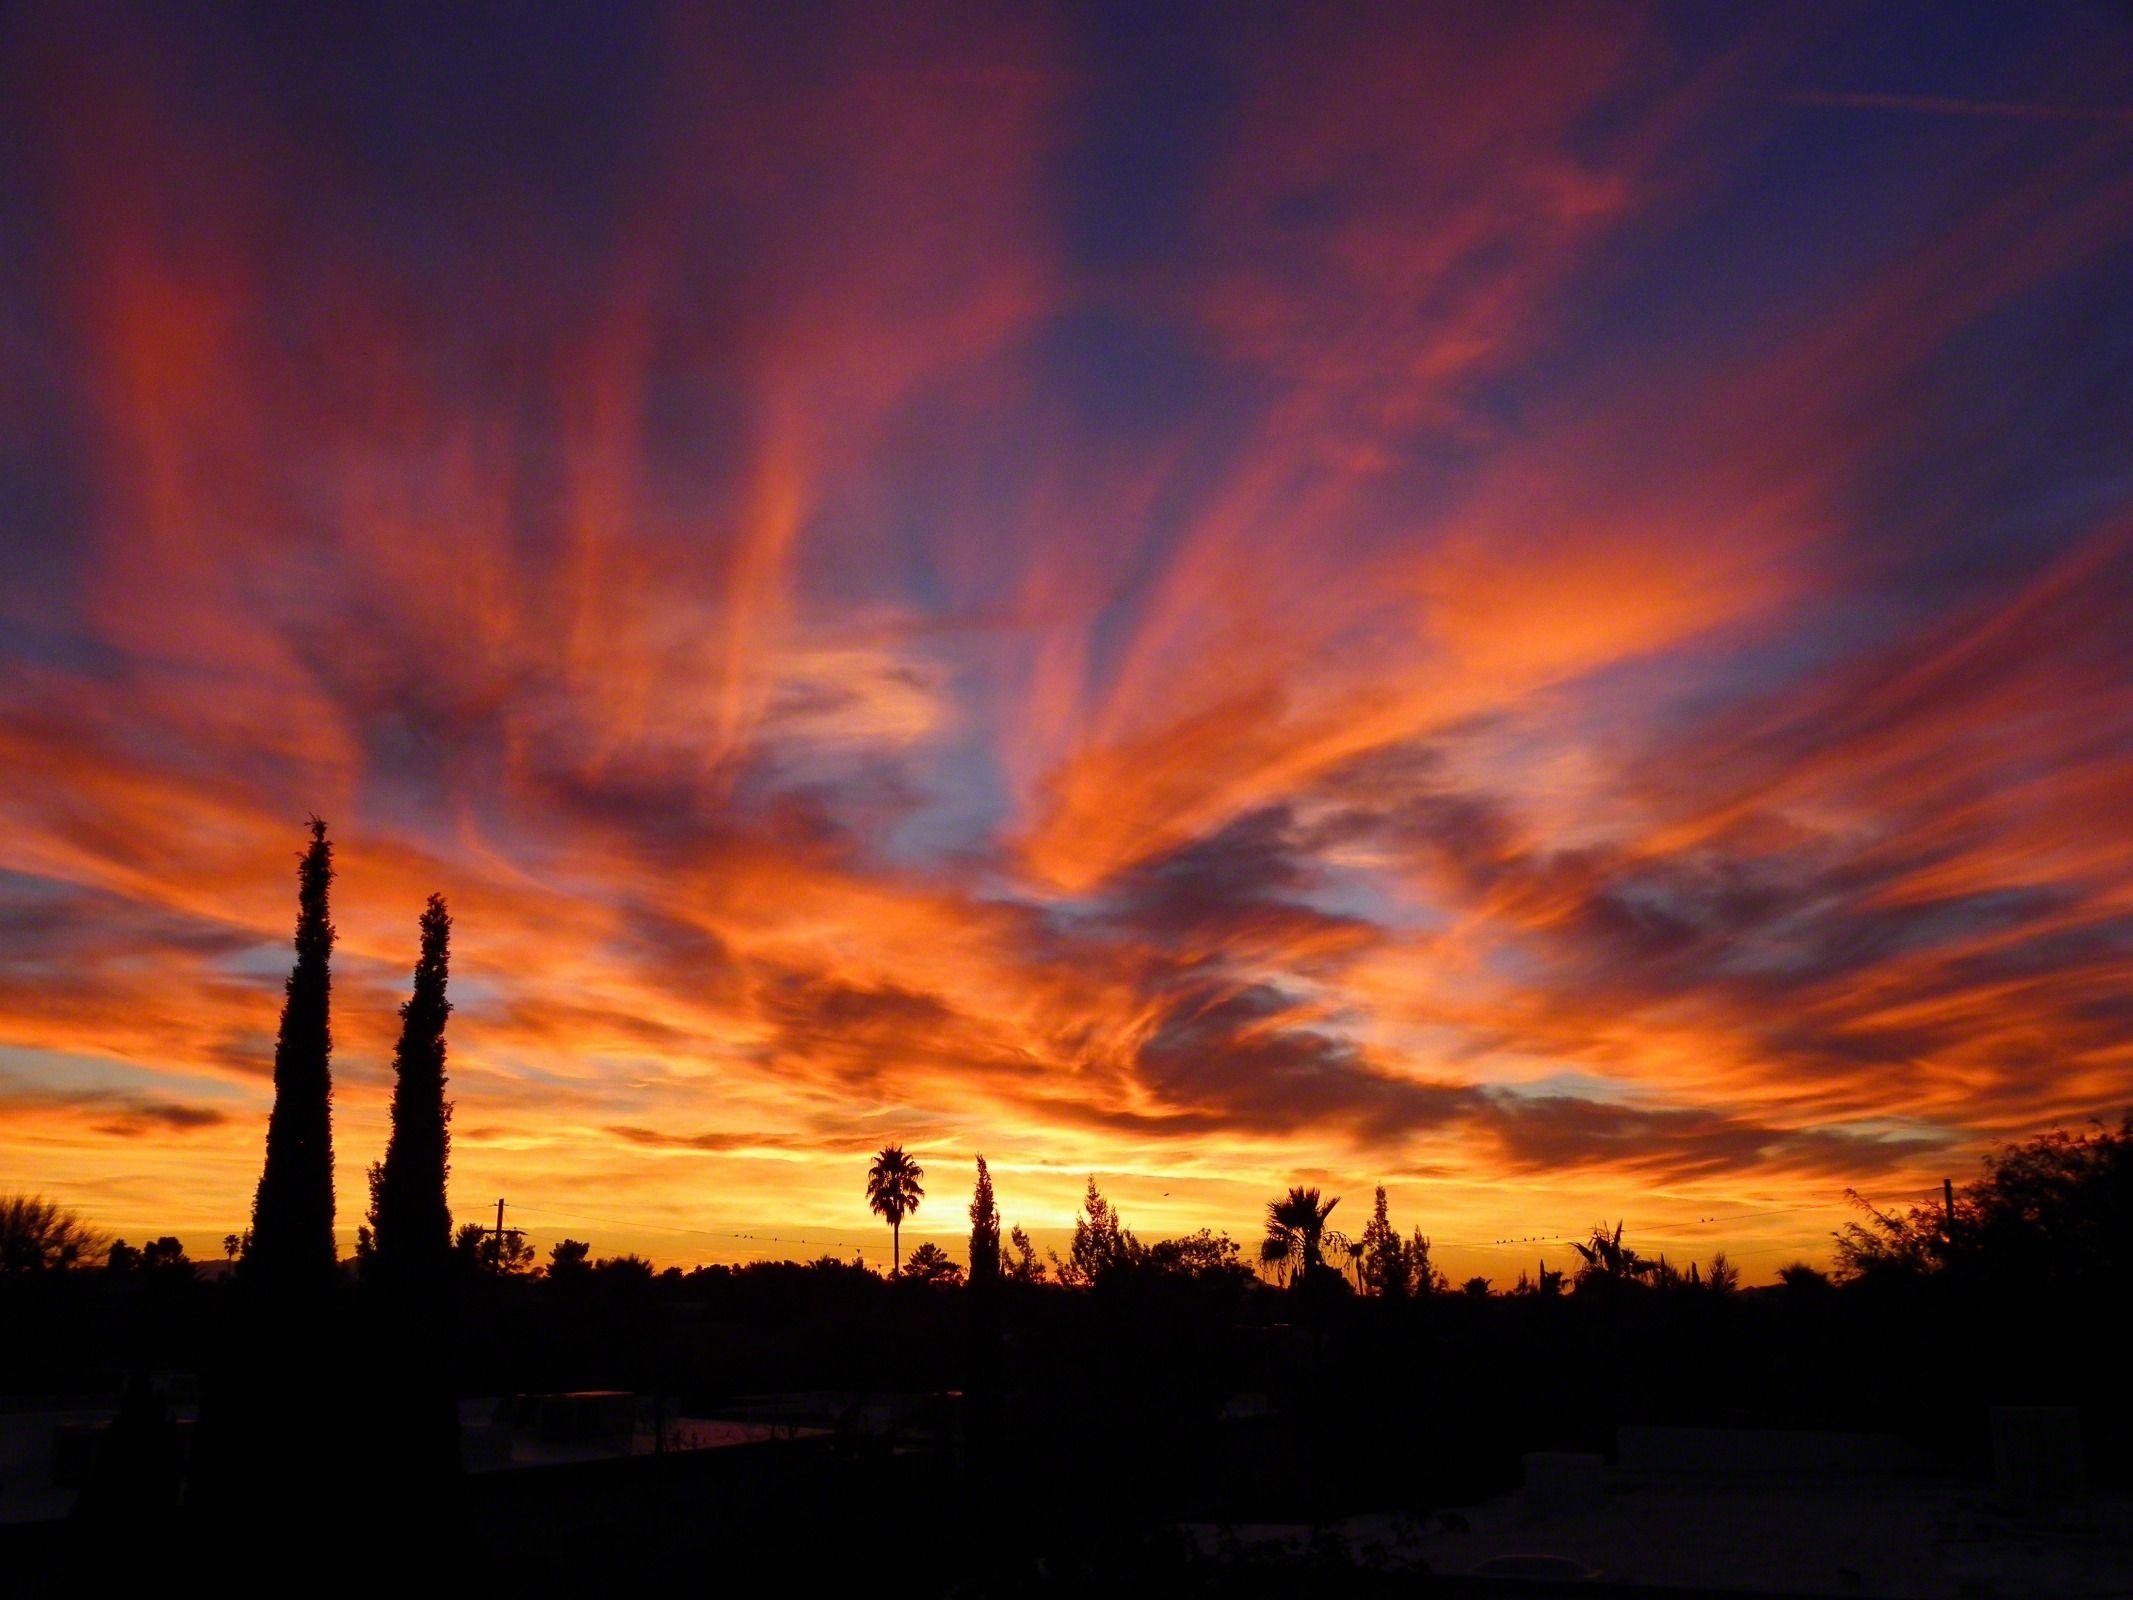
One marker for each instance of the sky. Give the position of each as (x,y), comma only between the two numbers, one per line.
(1529,605)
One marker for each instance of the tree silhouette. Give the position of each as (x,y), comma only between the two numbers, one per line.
(1385,1268)
(893,1193)
(1295,1233)
(1804,1277)
(984,1231)
(569,1259)
(1609,1263)
(929,1263)
(231,1244)
(1025,1267)
(366,1236)
(38,1236)
(1102,1243)
(1548,1286)
(1423,1274)
(411,1219)
(292,1214)
(623,1269)
(507,1256)
(164,1254)
(2053,1212)
(1205,1254)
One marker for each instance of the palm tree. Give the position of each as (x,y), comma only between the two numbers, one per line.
(893,1192)
(1609,1263)
(1296,1231)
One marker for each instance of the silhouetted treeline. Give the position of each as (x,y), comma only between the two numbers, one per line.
(2008,1295)
(1098,1396)
(1177,1383)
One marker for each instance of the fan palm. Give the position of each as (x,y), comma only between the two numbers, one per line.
(893,1192)
(1296,1231)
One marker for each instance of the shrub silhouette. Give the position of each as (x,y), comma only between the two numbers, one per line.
(1548,1285)
(38,1236)
(2054,1212)
(929,1263)
(1804,1277)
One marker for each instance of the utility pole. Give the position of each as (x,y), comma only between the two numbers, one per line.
(496,1254)
(1947,1201)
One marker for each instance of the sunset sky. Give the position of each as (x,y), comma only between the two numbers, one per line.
(1534,606)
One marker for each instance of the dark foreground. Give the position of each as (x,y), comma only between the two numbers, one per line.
(1152,1434)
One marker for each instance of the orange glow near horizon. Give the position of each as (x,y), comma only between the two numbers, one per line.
(1508,612)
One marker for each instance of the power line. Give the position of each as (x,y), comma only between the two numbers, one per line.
(705,1233)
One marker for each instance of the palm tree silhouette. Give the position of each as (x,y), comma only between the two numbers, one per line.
(1609,1262)
(1295,1231)
(893,1192)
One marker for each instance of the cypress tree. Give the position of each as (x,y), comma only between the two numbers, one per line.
(408,1444)
(292,1216)
(984,1232)
(411,1219)
(983,1385)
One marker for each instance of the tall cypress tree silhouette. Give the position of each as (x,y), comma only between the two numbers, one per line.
(271,1449)
(983,1372)
(984,1232)
(292,1215)
(412,1220)
(408,1438)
